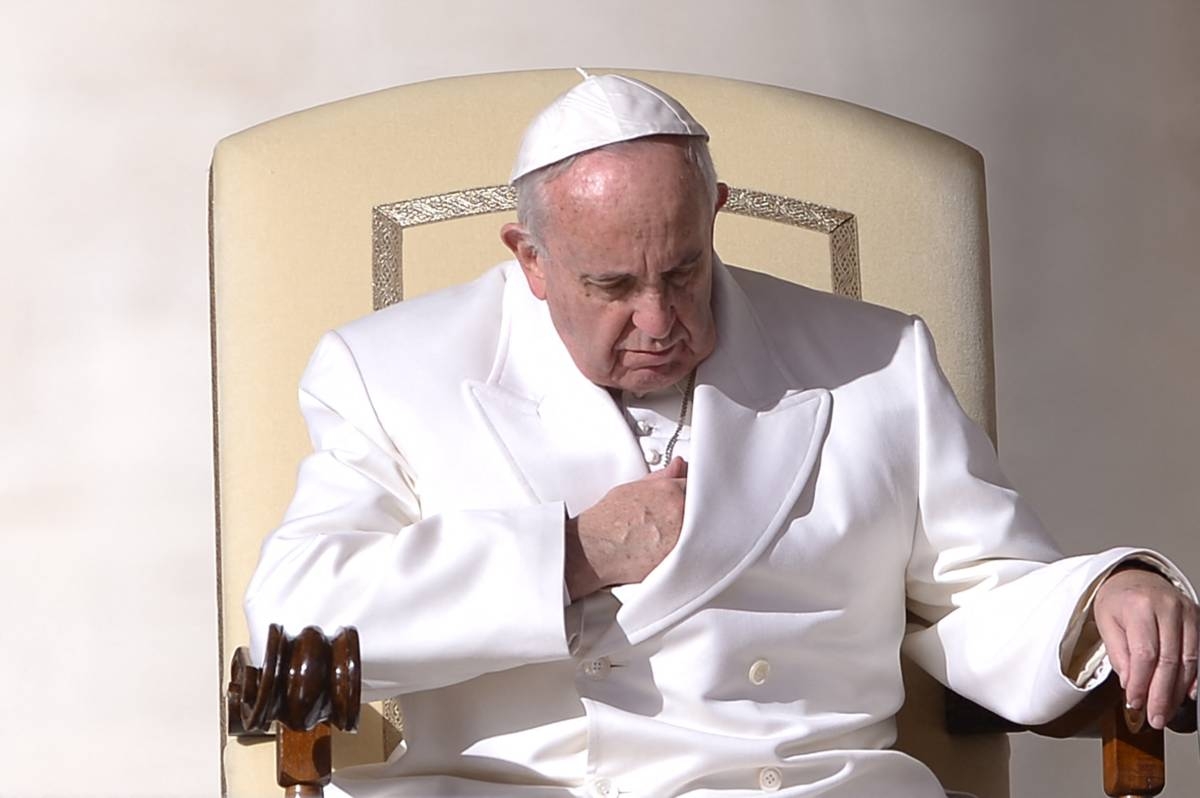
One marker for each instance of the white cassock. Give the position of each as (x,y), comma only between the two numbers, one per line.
(834,482)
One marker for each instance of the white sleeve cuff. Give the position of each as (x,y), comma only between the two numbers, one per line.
(1083,657)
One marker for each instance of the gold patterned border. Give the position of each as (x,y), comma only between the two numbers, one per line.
(393,725)
(389,221)
(840,226)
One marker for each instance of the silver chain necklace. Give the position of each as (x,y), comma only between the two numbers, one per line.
(683,411)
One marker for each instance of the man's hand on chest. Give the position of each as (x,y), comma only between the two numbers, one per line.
(624,536)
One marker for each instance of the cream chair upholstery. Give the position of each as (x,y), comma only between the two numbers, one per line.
(899,209)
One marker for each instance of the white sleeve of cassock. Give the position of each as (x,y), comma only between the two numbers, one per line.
(1004,617)
(436,600)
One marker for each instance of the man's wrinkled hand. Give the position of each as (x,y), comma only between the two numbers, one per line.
(625,535)
(1150,630)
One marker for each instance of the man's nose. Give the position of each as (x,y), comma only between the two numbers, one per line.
(654,314)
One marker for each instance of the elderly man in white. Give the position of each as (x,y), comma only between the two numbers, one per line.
(618,519)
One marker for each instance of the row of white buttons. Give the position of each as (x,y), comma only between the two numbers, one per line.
(597,670)
(769,780)
(652,455)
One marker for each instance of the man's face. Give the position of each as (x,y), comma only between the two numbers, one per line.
(626,266)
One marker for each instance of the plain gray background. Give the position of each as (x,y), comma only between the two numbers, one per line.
(1087,114)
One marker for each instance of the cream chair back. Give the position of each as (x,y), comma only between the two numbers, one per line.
(319,216)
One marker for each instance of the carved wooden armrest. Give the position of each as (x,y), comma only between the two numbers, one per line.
(1132,749)
(307,685)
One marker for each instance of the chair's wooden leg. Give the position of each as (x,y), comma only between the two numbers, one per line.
(1133,754)
(304,761)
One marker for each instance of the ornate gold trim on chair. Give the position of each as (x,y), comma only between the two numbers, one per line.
(840,226)
(389,221)
(393,725)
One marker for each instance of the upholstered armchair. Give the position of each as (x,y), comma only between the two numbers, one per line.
(323,215)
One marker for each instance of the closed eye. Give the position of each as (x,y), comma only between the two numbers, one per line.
(684,272)
(617,284)
(680,277)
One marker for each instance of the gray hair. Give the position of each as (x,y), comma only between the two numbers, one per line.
(531,205)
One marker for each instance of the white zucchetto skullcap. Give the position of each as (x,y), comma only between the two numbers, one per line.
(603,109)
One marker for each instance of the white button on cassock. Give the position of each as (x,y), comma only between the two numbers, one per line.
(596,669)
(654,457)
(759,672)
(603,788)
(770,779)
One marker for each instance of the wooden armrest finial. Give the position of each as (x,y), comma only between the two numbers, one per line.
(307,685)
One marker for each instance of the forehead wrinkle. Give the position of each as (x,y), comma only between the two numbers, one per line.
(611,192)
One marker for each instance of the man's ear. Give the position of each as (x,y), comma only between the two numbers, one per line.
(520,241)
(722,197)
